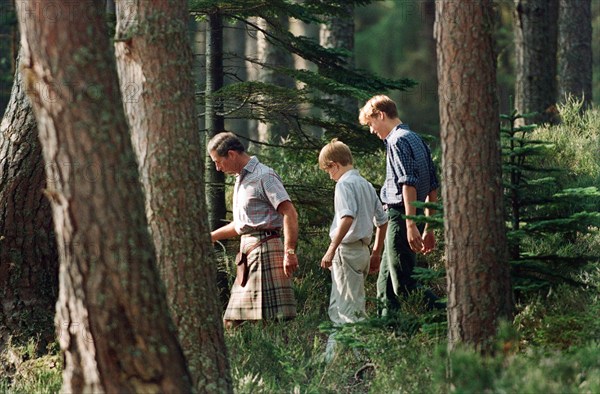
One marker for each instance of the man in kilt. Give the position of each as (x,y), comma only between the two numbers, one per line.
(261,210)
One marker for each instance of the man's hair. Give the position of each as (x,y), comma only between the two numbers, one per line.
(375,105)
(224,142)
(335,152)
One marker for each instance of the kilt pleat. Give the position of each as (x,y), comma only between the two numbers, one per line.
(268,293)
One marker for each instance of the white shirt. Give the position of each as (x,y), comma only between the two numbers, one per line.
(356,197)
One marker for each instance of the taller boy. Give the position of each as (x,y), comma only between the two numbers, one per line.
(410,177)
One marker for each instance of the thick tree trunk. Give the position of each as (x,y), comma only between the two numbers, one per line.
(28,255)
(215,123)
(535,29)
(114,325)
(154,55)
(575,50)
(479,292)
(338,32)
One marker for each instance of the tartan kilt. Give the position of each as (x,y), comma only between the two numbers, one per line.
(268,293)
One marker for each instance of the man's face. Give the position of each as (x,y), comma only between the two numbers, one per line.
(377,126)
(224,164)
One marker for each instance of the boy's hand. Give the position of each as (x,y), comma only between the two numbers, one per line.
(428,242)
(327,259)
(375,263)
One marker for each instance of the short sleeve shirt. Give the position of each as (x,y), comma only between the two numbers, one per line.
(357,198)
(258,191)
(408,162)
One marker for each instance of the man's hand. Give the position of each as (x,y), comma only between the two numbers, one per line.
(290,264)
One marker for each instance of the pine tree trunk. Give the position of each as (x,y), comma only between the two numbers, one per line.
(252,69)
(273,56)
(154,55)
(575,50)
(234,61)
(215,123)
(479,292)
(338,32)
(28,255)
(535,29)
(114,326)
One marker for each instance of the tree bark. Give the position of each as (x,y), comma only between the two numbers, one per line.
(115,331)
(479,292)
(276,128)
(338,32)
(154,56)
(535,29)
(28,255)
(575,50)
(215,180)
(234,65)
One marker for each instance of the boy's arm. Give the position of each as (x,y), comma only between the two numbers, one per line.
(377,248)
(413,235)
(428,236)
(341,231)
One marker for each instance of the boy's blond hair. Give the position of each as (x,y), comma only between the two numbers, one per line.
(335,152)
(375,105)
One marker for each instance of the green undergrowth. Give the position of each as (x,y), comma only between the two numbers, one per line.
(22,370)
(551,346)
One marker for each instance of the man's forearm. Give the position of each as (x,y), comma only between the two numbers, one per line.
(290,224)
(227,231)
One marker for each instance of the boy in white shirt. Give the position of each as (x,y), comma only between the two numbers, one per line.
(357,211)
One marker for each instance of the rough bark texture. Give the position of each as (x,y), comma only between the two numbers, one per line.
(575,50)
(338,32)
(479,292)
(28,255)
(115,331)
(215,180)
(535,29)
(154,55)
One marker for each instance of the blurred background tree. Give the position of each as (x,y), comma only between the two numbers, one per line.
(8,50)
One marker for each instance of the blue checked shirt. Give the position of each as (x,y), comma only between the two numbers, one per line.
(408,163)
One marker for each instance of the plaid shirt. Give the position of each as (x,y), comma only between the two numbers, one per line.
(408,163)
(257,193)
